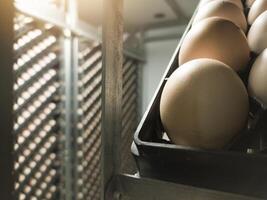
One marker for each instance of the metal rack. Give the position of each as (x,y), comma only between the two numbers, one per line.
(52,118)
(36,109)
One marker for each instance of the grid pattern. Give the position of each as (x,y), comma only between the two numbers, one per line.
(36,104)
(89,125)
(38,113)
(129,111)
(89,137)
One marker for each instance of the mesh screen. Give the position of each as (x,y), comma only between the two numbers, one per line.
(89,126)
(36,109)
(89,139)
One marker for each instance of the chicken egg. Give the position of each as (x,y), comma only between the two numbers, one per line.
(257,39)
(258,7)
(204,104)
(223,9)
(218,39)
(257,82)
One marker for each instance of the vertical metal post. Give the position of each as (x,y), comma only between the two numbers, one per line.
(70,76)
(71,100)
(6,100)
(112,91)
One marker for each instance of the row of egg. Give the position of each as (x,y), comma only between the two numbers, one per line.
(204,103)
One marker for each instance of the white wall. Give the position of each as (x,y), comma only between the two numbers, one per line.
(158,55)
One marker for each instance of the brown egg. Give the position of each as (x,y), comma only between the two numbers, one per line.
(258,7)
(257,35)
(236,2)
(204,104)
(249,3)
(257,82)
(223,9)
(218,39)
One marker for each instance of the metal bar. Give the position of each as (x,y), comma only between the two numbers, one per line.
(45,13)
(57,17)
(112,92)
(90,32)
(150,189)
(71,107)
(6,100)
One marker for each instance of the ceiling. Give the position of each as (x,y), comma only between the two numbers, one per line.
(140,14)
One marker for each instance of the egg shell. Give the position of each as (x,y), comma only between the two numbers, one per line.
(257,35)
(236,2)
(204,104)
(249,3)
(257,82)
(258,7)
(218,39)
(223,9)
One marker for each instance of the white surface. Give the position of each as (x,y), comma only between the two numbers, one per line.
(158,57)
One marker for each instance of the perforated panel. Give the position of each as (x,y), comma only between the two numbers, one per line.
(36,109)
(39,111)
(129,111)
(89,138)
(89,126)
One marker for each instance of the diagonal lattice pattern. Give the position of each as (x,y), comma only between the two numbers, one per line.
(36,109)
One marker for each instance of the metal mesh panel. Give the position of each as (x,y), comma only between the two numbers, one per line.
(38,110)
(129,112)
(89,138)
(36,88)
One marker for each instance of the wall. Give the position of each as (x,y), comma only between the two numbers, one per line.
(158,55)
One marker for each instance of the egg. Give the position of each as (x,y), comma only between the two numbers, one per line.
(236,2)
(249,3)
(258,7)
(204,104)
(257,82)
(218,39)
(257,39)
(225,10)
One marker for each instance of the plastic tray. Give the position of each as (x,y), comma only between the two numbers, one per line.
(241,167)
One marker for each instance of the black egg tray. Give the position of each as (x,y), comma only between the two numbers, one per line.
(241,167)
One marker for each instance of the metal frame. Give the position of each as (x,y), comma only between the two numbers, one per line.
(57,17)
(6,100)
(134,187)
(112,92)
(71,106)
